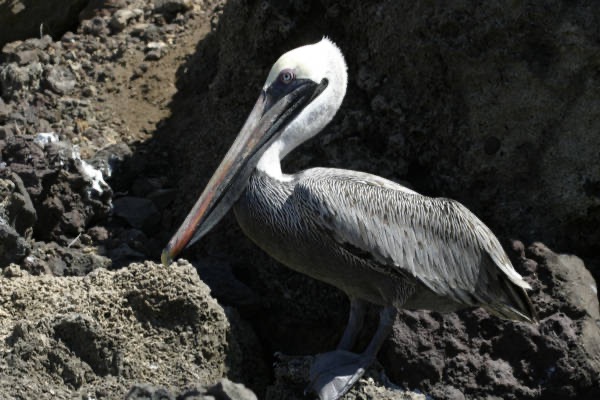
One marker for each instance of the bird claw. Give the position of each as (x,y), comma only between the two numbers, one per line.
(333,374)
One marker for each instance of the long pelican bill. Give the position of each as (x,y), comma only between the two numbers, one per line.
(270,114)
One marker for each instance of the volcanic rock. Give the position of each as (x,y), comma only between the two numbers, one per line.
(96,26)
(63,261)
(110,158)
(5,111)
(67,193)
(139,212)
(155,50)
(172,6)
(61,80)
(17,218)
(479,355)
(13,247)
(15,204)
(103,332)
(14,78)
(121,18)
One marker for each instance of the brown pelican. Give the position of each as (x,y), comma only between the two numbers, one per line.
(374,239)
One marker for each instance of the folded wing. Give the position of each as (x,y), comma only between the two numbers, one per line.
(437,241)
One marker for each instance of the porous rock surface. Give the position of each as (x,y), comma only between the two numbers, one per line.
(98,335)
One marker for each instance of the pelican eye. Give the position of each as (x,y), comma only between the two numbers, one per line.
(286,76)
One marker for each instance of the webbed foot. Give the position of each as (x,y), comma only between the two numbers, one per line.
(333,374)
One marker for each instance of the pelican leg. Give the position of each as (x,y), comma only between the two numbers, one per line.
(333,374)
(355,324)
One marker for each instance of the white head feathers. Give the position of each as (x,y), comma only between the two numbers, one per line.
(319,62)
(314,61)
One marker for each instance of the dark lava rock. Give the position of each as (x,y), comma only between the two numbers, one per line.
(172,6)
(5,111)
(129,245)
(149,392)
(27,57)
(142,186)
(139,212)
(247,354)
(15,204)
(63,261)
(162,197)
(96,26)
(227,390)
(226,288)
(482,356)
(17,217)
(154,55)
(123,254)
(67,193)
(110,158)
(98,233)
(13,247)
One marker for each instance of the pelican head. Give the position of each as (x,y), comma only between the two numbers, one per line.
(302,93)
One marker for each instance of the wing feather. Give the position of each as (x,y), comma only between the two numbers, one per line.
(437,241)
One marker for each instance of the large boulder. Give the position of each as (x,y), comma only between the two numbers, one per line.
(105,332)
(474,355)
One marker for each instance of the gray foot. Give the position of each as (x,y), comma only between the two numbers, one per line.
(333,374)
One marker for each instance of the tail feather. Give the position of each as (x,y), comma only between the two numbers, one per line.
(513,304)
